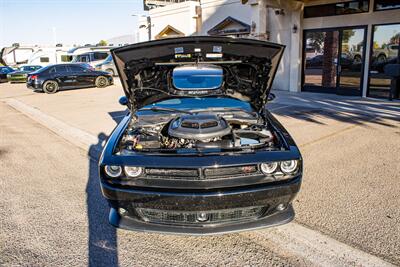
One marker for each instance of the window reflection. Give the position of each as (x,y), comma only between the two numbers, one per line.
(385,50)
(321,59)
(386,4)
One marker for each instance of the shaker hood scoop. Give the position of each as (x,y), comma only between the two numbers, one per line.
(248,68)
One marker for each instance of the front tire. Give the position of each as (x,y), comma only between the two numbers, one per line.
(101,82)
(381,59)
(50,87)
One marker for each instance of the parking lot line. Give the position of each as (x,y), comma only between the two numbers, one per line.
(292,238)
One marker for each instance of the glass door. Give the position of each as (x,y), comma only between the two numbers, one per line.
(385,50)
(334,61)
(351,61)
(320,66)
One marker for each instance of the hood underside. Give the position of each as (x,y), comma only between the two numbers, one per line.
(248,65)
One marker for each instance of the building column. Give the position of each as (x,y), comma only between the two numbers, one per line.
(296,47)
(367,60)
(259,19)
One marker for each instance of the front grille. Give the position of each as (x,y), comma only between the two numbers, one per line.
(184,174)
(215,173)
(200,218)
(198,174)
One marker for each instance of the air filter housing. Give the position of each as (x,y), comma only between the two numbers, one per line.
(201,127)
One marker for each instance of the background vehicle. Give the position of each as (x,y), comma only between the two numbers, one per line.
(108,66)
(52,78)
(92,55)
(317,61)
(4,70)
(50,55)
(16,55)
(21,73)
(381,55)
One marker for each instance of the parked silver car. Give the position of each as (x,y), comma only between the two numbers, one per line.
(108,66)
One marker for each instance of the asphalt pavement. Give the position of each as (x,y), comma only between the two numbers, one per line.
(52,212)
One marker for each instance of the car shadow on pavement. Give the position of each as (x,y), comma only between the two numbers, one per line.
(352,111)
(102,241)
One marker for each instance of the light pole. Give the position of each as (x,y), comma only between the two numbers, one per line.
(147,25)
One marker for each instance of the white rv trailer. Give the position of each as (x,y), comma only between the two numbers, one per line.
(14,56)
(50,55)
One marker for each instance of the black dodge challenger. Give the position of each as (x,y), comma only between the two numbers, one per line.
(199,153)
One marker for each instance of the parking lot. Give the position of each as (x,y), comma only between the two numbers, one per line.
(52,212)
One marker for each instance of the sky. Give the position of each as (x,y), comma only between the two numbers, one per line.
(46,22)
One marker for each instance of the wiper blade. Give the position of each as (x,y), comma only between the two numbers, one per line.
(196,111)
(160,109)
(252,113)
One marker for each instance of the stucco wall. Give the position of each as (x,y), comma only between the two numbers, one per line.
(281,31)
(181,16)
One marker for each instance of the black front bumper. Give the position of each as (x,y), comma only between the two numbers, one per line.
(266,195)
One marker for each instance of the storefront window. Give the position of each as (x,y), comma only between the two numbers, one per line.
(385,50)
(351,7)
(386,4)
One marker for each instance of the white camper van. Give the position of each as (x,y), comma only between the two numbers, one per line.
(92,55)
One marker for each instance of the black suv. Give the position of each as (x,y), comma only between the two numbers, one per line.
(199,152)
(52,78)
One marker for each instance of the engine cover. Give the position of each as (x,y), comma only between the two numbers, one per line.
(201,127)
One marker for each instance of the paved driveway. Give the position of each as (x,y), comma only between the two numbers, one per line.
(351,150)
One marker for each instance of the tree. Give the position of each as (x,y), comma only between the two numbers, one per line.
(102,43)
(395,38)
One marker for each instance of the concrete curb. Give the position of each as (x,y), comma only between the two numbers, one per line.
(72,134)
(317,248)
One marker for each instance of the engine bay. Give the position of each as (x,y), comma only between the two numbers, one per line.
(200,131)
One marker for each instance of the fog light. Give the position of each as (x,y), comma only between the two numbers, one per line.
(113,171)
(202,217)
(281,207)
(133,171)
(269,168)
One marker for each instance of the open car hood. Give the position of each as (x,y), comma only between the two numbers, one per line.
(248,65)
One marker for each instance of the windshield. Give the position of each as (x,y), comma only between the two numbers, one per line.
(81,58)
(197,77)
(108,59)
(198,103)
(30,68)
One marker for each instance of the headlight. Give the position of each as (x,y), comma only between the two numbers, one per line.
(269,168)
(288,166)
(113,171)
(133,171)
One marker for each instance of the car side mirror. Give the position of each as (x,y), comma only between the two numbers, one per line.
(271,97)
(123,100)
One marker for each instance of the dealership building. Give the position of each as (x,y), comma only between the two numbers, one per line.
(332,46)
